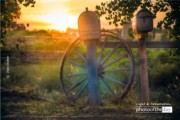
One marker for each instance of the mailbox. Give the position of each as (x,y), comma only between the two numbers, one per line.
(89,26)
(144,21)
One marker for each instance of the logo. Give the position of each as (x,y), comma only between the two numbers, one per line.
(153,108)
(167,109)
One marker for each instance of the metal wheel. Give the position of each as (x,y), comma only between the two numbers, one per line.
(115,69)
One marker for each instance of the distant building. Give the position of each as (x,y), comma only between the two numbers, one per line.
(125,30)
(17,26)
(72,32)
(21,26)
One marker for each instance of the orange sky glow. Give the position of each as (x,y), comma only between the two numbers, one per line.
(59,14)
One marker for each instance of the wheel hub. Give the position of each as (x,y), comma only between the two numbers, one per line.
(101,71)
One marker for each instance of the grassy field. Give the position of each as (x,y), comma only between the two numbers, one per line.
(34,90)
(30,84)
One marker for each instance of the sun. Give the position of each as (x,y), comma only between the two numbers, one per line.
(60,21)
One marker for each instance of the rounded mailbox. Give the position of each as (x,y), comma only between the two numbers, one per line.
(89,26)
(144,21)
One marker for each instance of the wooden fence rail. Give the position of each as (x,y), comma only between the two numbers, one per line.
(149,44)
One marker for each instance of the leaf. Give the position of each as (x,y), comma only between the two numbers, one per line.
(20,1)
(159,25)
(98,7)
(25,4)
(103,4)
(107,18)
(109,11)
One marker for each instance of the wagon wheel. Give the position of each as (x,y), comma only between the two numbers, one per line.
(115,69)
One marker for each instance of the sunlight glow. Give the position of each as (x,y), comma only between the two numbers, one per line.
(55,14)
(60,21)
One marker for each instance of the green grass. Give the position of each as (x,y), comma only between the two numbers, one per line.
(39,78)
(43,77)
(42,80)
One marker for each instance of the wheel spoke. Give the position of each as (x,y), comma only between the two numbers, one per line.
(77,84)
(76,74)
(81,90)
(81,55)
(112,79)
(116,60)
(102,50)
(77,64)
(107,87)
(109,55)
(122,69)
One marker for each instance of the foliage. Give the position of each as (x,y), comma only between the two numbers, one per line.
(10,12)
(164,75)
(118,12)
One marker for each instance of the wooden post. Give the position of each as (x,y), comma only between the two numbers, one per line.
(143,70)
(94,97)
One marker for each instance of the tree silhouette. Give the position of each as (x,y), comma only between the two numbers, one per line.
(10,12)
(118,12)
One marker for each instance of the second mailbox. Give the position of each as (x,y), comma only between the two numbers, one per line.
(89,26)
(144,21)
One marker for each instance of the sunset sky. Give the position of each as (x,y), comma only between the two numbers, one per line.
(58,14)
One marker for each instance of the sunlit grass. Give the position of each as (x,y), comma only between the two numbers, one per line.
(37,40)
(43,77)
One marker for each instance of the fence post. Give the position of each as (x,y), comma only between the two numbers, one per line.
(90,32)
(143,69)
(94,97)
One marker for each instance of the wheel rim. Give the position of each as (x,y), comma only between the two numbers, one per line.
(115,70)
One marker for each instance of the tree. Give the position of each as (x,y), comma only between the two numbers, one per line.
(10,12)
(118,12)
